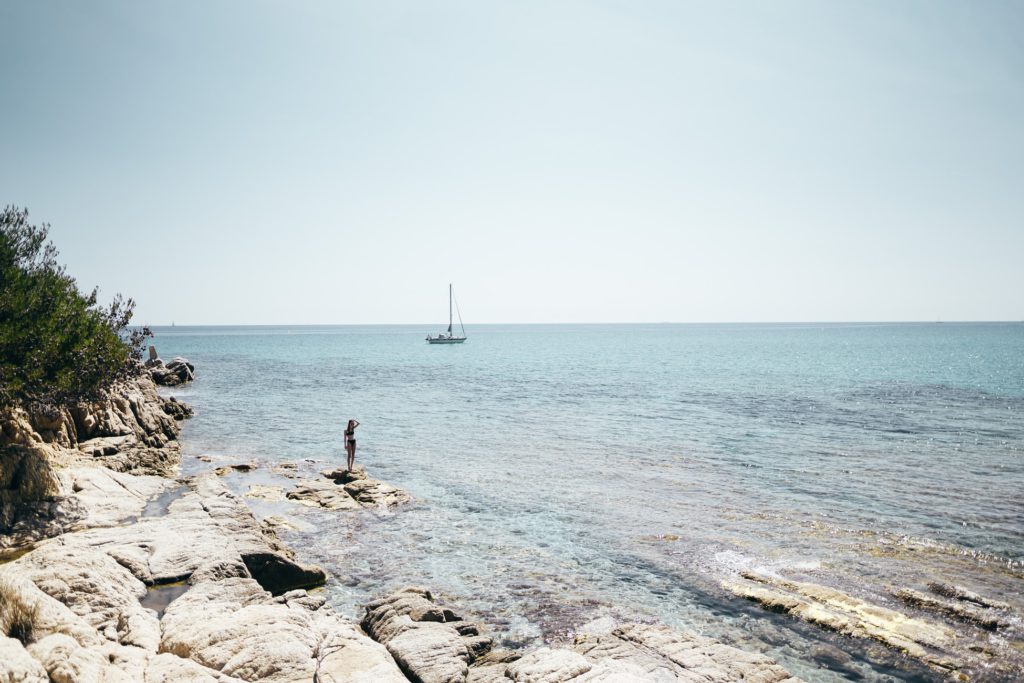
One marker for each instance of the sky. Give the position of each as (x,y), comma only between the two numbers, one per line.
(252,162)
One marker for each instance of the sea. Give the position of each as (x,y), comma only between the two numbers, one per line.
(567,476)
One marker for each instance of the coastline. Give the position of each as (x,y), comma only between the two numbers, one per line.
(132,572)
(129,573)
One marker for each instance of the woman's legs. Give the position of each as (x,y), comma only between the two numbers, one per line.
(351,448)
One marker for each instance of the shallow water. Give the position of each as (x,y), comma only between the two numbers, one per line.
(159,598)
(159,505)
(564,473)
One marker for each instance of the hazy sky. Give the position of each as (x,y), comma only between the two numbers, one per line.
(333,162)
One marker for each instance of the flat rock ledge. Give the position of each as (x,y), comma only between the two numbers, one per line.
(432,644)
(345,491)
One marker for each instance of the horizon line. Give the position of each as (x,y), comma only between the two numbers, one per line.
(636,322)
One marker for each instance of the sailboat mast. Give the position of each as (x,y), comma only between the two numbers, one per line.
(449,309)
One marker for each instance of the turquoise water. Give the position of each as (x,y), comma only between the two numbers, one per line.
(566,473)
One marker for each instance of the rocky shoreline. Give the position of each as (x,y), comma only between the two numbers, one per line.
(113,569)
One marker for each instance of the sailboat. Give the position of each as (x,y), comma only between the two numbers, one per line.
(448,337)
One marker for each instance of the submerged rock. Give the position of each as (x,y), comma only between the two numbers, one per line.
(432,643)
(965,595)
(265,492)
(965,610)
(285,469)
(237,467)
(834,610)
(275,523)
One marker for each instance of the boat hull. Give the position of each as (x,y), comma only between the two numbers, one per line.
(445,340)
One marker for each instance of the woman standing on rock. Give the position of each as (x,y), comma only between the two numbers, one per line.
(350,443)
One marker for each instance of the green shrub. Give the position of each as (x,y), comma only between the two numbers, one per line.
(56,344)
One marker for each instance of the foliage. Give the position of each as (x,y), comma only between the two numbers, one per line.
(17,619)
(56,344)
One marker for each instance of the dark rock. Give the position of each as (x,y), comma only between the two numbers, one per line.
(467,628)
(478,645)
(26,473)
(237,467)
(162,462)
(278,574)
(177,409)
(963,609)
(960,593)
(178,371)
(163,377)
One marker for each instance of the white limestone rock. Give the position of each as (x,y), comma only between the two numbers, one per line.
(112,498)
(204,525)
(66,661)
(548,666)
(17,665)
(233,626)
(430,643)
(96,588)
